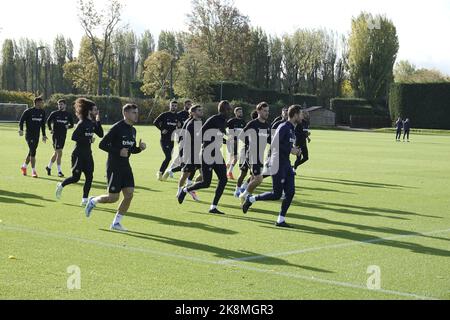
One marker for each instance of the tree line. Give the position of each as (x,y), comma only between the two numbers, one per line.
(219,44)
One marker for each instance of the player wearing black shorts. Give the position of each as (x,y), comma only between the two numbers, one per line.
(120,143)
(213,132)
(398,127)
(302,139)
(167,123)
(177,164)
(235,126)
(406,129)
(258,133)
(83,135)
(34,119)
(58,123)
(191,143)
(241,186)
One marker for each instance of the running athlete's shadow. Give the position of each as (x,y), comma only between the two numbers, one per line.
(360,210)
(374,240)
(97,184)
(18,198)
(170,222)
(221,253)
(354,183)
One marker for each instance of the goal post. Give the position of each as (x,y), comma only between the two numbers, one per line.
(11,111)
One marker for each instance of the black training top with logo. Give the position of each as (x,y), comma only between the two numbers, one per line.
(121,136)
(34,119)
(83,136)
(167,121)
(260,131)
(183,116)
(59,121)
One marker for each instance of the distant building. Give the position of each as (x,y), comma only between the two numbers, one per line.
(321,116)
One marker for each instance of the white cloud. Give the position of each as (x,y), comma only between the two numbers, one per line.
(422,27)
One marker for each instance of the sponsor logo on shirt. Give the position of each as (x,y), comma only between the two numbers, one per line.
(127,143)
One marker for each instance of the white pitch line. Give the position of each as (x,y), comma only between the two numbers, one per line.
(211,262)
(333,246)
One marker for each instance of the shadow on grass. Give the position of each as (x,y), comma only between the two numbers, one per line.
(98,185)
(18,198)
(221,253)
(374,240)
(355,183)
(168,222)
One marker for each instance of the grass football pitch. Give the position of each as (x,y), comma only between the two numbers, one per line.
(371,218)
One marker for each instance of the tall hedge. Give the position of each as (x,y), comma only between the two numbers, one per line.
(18,97)
(242,92)
(427,105)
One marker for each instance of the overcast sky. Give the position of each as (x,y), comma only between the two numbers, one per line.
(423,26)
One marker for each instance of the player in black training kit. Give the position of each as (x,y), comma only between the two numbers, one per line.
(235,126)
(83,135)
(58,122)
(241,186)
(279,120)
(167,123)
(399,127)
(302,139)
(177,165)
(34,118)
(191,143)
(258,134)
(120,143)
(213,132)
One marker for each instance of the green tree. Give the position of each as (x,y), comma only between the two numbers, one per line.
(373,47)
(82,72)
(60,56)
(218,28)
(8,65)
(194,76)
(91,20)
(157,70)
(146,46)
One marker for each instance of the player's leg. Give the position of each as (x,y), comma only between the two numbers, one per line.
(221,173)
(304,155)
(25,164)
(289,191)
(33,144)
(256,180)
(54,157)
(88,171)
(274,195)
(128,194)
(240,181)
(167,148)
(204,183)
(77,167)
(114,187)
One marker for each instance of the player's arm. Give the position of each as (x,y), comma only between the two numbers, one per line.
(107,142)
(71,124)
(50,122)
(159,121)
(44,136)
(99,129)
(23,118)
(77,134)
